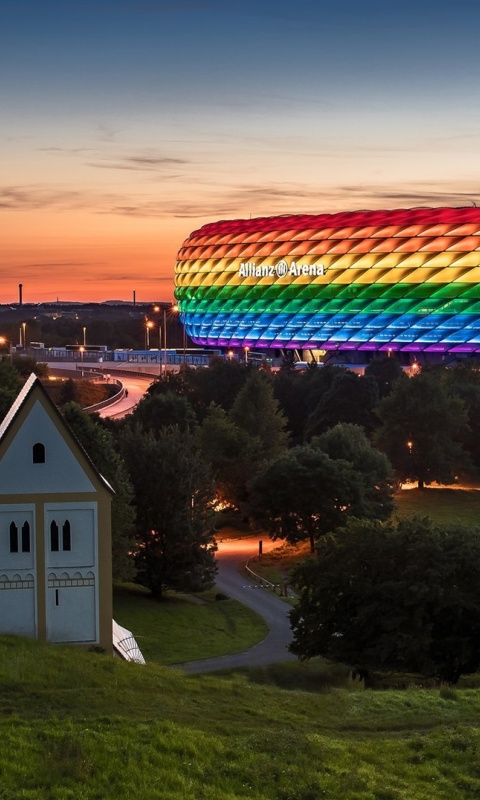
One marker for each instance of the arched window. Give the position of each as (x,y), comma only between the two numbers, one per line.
(38,452)
(66,536)
(54,543)
(13,538)
(25,537)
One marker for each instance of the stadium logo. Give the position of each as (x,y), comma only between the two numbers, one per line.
(250,269)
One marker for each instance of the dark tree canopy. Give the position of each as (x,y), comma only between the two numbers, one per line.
(463,381)
(422,430)
(385,371)
(231,453)
(304,494)
(350,398)
(174,492)
(257,412)
(392,597)
(157,411)
(10,385)
(349,442)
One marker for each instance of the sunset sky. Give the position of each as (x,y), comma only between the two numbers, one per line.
(127,124)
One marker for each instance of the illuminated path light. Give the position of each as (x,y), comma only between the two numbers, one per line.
(407,280)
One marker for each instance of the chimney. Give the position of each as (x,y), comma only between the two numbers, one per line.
(20,291)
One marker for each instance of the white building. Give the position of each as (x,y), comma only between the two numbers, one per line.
(55,529)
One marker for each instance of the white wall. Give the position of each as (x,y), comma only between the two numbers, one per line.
(72,576)
(61,471)
(17,573)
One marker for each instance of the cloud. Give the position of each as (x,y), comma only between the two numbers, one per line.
(140,163)
(241,200)
(15,198)
(290,198)
(63,150)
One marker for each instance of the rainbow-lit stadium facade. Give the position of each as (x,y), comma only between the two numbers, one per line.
(405,280)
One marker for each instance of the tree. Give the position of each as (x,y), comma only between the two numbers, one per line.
(392,597)
(174,492)
(231,453)
(256,411)
(350,398)
(10,385)
(422,429)
(463,381)
(158,411)
(299,393)
(25,365)
(349,442)
(220,383)
(304,494)
(99,444)
(385,371)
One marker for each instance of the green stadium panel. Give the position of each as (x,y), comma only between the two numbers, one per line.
(406,279)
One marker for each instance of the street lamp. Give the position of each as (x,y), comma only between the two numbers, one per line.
(84,336)
(246,354)
(82,350)
(148,327)
(24,329)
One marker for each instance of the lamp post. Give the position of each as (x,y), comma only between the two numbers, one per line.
(24,329)
(82,350)
(165,308)
(148,327)
(84,336)
(246,354)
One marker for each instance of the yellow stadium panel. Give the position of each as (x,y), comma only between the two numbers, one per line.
(472,276)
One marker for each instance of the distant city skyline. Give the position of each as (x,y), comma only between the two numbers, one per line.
(127,125)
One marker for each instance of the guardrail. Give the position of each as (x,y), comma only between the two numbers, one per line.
(110,401)
(283,588)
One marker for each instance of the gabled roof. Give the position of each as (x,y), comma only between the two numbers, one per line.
(31,385)
(15,408)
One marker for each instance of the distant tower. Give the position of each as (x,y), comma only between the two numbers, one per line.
(134,297)
(20,293)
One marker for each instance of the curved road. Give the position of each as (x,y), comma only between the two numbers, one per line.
(136,388)
(232,556)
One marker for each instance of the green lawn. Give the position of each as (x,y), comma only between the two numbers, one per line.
(75,724)
(186,627)
(442,505)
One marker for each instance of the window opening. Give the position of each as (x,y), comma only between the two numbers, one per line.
(13,538)
(25,537)
(38,453)
(66,535)
(54,542)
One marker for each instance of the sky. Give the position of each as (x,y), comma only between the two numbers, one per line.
(127,124)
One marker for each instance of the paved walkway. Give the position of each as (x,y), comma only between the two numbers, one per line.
(136,388)
(231,558)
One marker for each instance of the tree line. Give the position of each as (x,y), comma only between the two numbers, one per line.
(312,456)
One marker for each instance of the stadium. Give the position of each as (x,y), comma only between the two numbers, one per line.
(404,280)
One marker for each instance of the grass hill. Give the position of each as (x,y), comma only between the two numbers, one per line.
(77,724)
(81,725)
